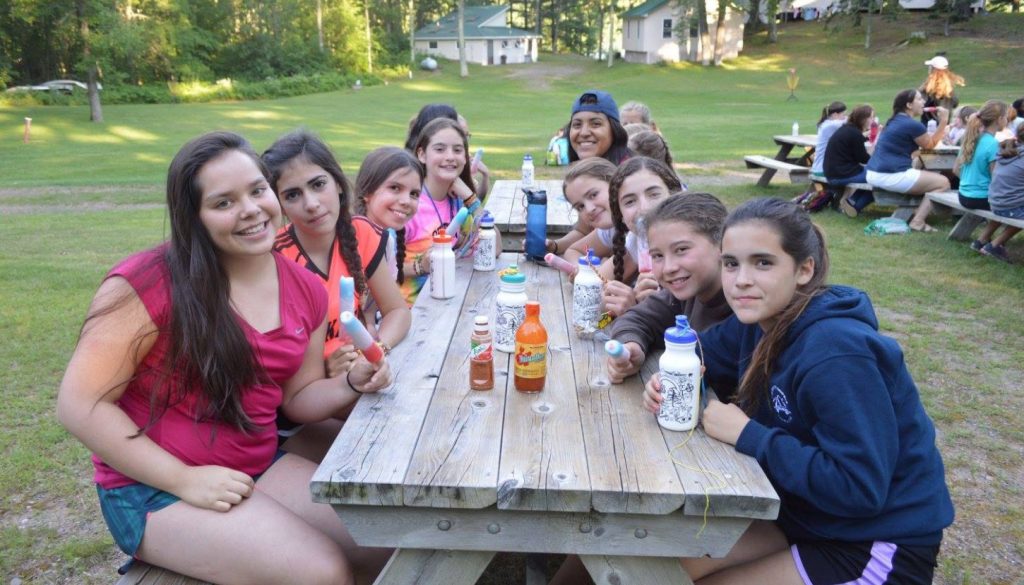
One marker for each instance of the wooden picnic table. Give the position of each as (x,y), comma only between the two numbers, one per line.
(940,159)
(449,476)
(797,166)
(507,203)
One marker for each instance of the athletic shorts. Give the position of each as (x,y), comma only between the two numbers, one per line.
(126,509)
(831,562)
(973,202)
(898,182)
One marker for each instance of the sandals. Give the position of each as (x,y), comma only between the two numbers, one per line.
(923,228)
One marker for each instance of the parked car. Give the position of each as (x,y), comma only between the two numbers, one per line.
(61,85)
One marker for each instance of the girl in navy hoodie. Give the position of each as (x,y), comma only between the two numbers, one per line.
(826,405)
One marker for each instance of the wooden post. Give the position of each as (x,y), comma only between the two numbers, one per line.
(28,130)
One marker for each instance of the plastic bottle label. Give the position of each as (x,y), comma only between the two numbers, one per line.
(481,351)
(507,321)
(484,258)
(531,360)
(679,393)
(586,308)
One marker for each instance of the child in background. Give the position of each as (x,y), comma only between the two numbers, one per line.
(684,233)
(388,194)
(447,186)
(827,407)
(833,116)
(652,145)
(633,112)
(1006,192)
(955,135)
(638,185)
(431,112)
(975,162)
(188,350)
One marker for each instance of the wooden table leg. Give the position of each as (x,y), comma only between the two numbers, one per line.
(409,566)
(609,570)
(782,155)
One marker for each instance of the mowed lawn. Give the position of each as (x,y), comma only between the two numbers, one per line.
(80,196)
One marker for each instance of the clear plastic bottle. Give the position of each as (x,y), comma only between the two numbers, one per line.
(442,267)
(481,355)
(484,259)
(932,126)
(527,182)
(796,129)
(531,359)
(510,308)
(586,297)
(679,369)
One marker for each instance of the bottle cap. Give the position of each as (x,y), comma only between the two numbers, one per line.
(511,275)
(442,238)
(487,220)
(681,333)
(527,157)
(481,324)
(591,259)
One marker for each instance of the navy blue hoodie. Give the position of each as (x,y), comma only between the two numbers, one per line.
(841,431)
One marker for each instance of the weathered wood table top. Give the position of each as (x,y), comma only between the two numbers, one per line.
(449,476)
(507,203)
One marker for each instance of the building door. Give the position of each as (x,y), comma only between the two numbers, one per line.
(490,52)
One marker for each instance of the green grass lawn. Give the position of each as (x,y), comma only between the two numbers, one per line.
(81,196)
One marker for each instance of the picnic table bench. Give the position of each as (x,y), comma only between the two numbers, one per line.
(449,476)
(971,218)
(798,167)
(904,204)
(144,574)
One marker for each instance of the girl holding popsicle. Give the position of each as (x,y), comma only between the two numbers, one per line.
(327,240)
(684,233)
(187,353)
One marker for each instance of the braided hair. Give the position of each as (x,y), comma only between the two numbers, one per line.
(305,144)
(627,169)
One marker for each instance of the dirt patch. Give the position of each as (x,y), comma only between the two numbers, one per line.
(540,74)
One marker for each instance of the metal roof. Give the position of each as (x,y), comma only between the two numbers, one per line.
(644,9)
(475,18)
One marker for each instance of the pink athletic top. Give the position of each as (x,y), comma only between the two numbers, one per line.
(303,306)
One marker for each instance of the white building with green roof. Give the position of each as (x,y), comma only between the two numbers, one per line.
(651,31)
(489,38)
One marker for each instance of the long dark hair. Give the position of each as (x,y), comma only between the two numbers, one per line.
(304,144)
(836,107)
(435,126)
(859,115)
(901,101)
(703,212)
(800,239)
(629,168)
(376,168)
(427,114)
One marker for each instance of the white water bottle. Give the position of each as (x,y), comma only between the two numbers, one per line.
(932,126)
(527,182)
(796,129)
(510,308)
(484,259)
(586,297)
(679,369)
(442,267)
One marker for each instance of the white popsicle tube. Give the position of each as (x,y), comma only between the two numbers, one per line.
(347,294)
(361,337)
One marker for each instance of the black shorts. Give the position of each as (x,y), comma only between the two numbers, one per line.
(831,562)
(974,202)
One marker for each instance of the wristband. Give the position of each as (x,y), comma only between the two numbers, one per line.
(348,380)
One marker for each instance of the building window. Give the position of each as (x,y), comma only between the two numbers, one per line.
(666,28)
(432,44)
(504,44)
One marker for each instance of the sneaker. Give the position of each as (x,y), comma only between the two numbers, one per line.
(977,245)
(848,209)
(997,252)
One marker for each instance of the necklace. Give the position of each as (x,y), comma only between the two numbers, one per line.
(451,207)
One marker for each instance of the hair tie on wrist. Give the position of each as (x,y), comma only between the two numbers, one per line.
(348,380)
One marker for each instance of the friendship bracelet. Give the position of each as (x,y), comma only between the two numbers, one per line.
(348,380)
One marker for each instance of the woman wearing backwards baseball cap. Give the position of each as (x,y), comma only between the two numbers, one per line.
(938,87)
(594,128)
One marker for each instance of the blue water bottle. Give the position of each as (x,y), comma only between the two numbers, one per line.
(536,224)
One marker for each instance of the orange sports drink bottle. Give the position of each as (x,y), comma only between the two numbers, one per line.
(531,351)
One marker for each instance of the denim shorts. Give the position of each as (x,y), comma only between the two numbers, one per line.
(127,508)
(1013,213)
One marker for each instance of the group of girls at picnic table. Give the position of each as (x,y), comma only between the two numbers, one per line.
(989,164)
(195,353)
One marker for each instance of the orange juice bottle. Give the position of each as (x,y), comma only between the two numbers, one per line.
(531,351)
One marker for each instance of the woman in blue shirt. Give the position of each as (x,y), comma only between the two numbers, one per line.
(890,167)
